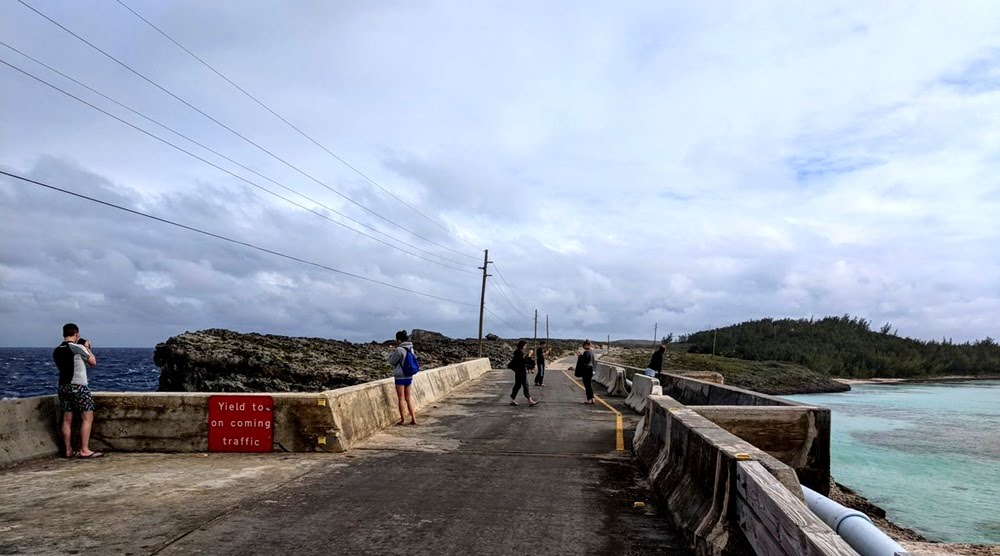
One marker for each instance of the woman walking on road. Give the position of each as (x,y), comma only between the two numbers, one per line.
(403,383)
(519,365)
(585,370)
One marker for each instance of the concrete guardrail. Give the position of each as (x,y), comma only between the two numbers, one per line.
(812,430)
(728,496)
(612,378)
(642,387)
(329,421)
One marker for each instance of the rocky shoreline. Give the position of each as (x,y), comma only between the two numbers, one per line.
(217,360)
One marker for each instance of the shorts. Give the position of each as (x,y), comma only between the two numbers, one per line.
(403,380)
(75,398)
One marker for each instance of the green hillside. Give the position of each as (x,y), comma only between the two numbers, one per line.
(847,347)
(767,377)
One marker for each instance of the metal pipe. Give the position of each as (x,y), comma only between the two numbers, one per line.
(853,526)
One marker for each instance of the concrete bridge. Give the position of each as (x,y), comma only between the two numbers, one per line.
(476,476)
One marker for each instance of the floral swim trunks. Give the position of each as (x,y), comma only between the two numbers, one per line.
(75,398)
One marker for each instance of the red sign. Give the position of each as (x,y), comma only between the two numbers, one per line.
(240,423)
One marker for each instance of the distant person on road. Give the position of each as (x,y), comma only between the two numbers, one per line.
(585,370)
(540,352)
(519,364)
(71,358)
(656,361)
(403,383)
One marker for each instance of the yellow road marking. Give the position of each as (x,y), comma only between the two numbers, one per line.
(619,436)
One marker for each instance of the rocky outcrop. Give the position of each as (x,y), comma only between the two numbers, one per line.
(219,360)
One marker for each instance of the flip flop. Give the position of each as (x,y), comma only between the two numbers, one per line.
(72,454)
(91,456)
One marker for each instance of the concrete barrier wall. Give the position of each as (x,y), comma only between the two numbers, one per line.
(612,377)
(333,420)
(791,434)
(775,522)
(642,388)
(693,465)
(691,391)
(28,429)
(814,473)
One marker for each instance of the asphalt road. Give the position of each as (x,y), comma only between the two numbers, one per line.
(476,476)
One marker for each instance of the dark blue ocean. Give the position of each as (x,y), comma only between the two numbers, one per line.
(28,372)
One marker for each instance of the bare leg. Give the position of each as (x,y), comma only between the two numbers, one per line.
(67,433)
(88,423)
(399,401)
(409,404)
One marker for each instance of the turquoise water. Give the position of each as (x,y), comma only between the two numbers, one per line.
(929,454)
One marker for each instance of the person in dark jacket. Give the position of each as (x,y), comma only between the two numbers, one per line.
(585,370)
(519,365)
(540,363)
(656,361)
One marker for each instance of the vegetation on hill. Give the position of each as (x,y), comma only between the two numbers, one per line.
(766,377)
(847,347)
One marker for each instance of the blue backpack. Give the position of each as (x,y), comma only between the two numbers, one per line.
(409,364)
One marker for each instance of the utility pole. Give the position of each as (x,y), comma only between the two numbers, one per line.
(482,299)
(609,343)
(536,330)
(715,334)
(655,325)
(546,327)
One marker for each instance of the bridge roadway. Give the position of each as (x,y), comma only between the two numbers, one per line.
(476,476)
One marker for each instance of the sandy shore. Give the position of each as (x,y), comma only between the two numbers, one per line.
(942,378)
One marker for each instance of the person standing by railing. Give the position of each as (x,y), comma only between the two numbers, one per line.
(656,361)
(404,384)
(71,358)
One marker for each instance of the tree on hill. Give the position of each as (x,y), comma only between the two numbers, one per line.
(847,346)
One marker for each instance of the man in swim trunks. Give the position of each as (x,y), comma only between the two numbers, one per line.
(71,358)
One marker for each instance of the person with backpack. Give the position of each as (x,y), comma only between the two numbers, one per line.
(404,365)
(519,364)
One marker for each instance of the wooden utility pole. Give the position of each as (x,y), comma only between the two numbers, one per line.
(482,299)
(715,334)
(655,325)
(536,329)
(546,327)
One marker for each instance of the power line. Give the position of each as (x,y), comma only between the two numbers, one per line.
(510,289)
(509,325)
(502,294)
(238,134)
(230,240)
(241,178)
(217,153)
(288,123)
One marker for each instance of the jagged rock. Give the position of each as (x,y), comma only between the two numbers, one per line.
(218,360)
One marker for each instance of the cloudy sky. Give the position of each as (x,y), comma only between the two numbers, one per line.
(683,164)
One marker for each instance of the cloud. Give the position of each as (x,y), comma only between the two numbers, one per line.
(689,165)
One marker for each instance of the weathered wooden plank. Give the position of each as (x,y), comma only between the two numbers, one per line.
(776,522)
